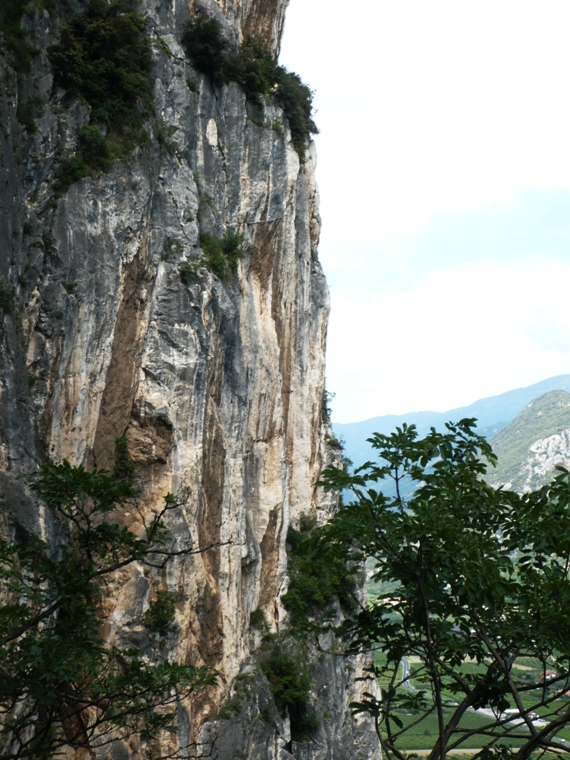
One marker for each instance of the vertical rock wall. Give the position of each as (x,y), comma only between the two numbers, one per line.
(216,385)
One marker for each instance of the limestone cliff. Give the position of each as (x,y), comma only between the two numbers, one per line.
(217,385)
(536,442)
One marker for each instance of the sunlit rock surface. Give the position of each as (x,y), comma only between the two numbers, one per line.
(534,444)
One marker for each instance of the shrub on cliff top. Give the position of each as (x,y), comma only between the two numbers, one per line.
(203,41)
(104,57)
(256,72)
(253,68)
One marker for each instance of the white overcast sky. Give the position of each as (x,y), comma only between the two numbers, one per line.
(444,174)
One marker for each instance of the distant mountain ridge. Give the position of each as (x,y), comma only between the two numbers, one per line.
(531,446)
(493,414)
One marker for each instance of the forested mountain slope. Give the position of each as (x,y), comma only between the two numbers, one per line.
(533,444)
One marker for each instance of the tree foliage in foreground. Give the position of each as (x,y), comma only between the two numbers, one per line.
(476,587)
(60,683)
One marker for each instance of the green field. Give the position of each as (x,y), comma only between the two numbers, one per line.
(423,735)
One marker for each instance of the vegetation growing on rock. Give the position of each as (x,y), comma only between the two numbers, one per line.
(124,465)
(256,72)
(320,576)
(473,587)
(290,683)
(160,613)
(546,418)
(203,42)
(16,38)
(93,154)
(104,57)
(7,298)
(60,683)
(221,255)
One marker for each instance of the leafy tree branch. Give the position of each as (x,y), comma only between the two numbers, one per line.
(61,684)
(474,584)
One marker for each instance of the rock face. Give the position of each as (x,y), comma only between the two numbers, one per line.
(217,385)
(533,444)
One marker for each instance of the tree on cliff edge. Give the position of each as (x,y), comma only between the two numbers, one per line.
(61,684)
(474,598)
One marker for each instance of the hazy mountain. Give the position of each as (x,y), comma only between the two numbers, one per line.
(493,414)
(533,444)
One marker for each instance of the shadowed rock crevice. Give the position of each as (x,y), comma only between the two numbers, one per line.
(122,375)
(269,550)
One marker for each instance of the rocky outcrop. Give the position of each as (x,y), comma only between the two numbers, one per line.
(536,442)
(546,455)
(217,385)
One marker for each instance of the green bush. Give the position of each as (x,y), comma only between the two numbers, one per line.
(192,83)
(28,110)
(290,683)
(94,148)
(222,254)
(164,137)
(257,620)
(336,444)
(170,248)
(203,42)
(94,154)
(48,242)
(104,57)
(160,613)
(124,465)
(253,68)
(307,522)
(16,40)
(256,72)
(296,100)
(319,576)
(188,272)
(70,170)
(326,409)
(7,298)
